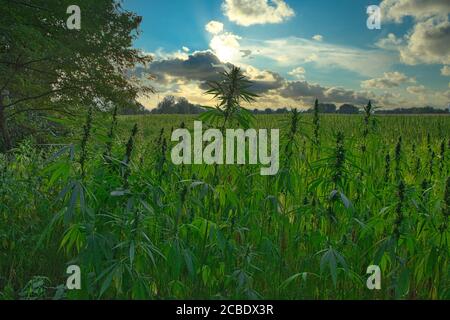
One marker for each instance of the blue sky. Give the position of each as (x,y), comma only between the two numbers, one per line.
(302,49)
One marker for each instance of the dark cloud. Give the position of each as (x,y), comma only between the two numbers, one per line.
(303,89)
(341,95)
(200,66)
(261,85)
(299,89)
(204,66)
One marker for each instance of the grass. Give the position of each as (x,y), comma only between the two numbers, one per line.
(349,194)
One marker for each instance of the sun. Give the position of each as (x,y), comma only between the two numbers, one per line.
(225,54)
(226,47)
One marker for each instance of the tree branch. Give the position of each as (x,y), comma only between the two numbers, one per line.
(36,97)
(28,5)
(39,109)
(26,63)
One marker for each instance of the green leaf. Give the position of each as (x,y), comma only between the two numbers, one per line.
(132,252)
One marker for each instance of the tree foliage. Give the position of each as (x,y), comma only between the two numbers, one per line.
(45,68)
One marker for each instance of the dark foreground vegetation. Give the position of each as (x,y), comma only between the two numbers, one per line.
(111,201)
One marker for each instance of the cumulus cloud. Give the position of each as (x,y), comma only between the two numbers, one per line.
(251,12)
(416,89)
(214,27)
(298,72)
(318,37)
(175,76)
(391,42)
(264,80)
(204,66)
(445,71)
(427,42)
(225,45)
(186,49)
(396,10)
(199,66)
(188,77)
(303,89)
(388,80)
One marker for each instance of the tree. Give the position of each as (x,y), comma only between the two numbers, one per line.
(183,106)
(47,68)
(348,109)
(172,105)
(166,105)
(327,108)
(281,110)
(133,109)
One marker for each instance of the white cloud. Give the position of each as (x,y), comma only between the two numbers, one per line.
(428,43)
(416,89)
(318,37)
(298,73)
(186,49)
(214,27)
(161,54)
(445,71)
(255,74)
(251,12)
(293,51)
(389,80)
(396,10)
(391,42)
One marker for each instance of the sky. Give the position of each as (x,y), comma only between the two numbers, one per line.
(295,51)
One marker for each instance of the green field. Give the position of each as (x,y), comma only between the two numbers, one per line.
(140,227)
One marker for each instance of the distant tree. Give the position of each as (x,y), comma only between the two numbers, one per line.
(281,110)
(323,108)
(133,109)
(172,105)
(348,109)
(166,105)
(415,110)
(327,108)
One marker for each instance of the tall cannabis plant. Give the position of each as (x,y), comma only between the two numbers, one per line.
(230,92)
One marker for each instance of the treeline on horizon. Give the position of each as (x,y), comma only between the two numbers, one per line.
(173,105)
